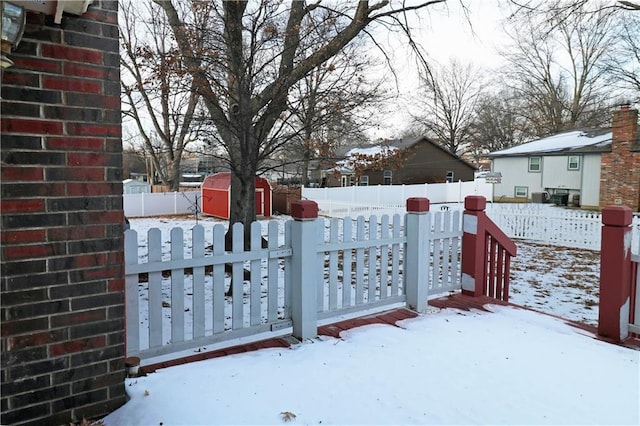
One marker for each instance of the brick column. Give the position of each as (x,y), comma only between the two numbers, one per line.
(416,255)
(304,273)
(615,272)
(62,285)
(473,245)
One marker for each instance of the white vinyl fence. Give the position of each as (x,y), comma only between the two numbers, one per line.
(161,203)
(551,224)
(390,199)
(186,291)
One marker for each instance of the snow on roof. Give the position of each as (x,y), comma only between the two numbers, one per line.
(134,182)
(372,150)
(561,142)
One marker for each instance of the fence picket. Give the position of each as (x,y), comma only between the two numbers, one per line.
(373,258)
(155,289)
(395,256)
(198,305)
(177,287)
(237,279)
(384,258)
(435,245)
(333,265)
(347,262)
(446,252)
(218,278)
(360,262)
(255,286)
(320,231)
(272,273)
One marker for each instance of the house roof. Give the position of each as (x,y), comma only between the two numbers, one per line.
(390,145)
(575,141)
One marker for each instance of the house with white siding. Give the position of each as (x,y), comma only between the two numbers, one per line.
(567,166)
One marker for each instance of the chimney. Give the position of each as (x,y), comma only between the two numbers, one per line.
(625,127)
(620,168)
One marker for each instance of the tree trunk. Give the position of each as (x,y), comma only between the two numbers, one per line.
(174,176)
(304,179)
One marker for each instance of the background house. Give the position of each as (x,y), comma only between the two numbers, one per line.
(592,168)
(424,161)
(566,163)
(133,186)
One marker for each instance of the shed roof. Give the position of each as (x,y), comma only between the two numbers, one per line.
(575,141)
(222,180)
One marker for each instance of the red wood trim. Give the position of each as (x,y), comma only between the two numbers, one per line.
(495,232)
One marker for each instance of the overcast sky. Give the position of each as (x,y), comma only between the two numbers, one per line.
(445,32)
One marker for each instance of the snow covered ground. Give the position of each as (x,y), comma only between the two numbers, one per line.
(556,280)
(510,366)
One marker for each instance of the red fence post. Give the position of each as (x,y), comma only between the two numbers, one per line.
(615,272)
(473,245)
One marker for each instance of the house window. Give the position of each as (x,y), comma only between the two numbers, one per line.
(522,192)
(573,162)
(449,177)
(387,177)
(364,180)
(535,164)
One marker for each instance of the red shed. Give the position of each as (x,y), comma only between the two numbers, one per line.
(216,195)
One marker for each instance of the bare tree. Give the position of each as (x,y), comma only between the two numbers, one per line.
(563,9)
(244,58)
(498,123)
(158,95)
(623,63)
(447,104)
(333,105)
(555,66)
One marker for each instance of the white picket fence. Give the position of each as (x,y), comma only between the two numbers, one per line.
(194,293)
(551,224)
(161,203)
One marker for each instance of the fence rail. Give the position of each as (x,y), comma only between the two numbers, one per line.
(186,292)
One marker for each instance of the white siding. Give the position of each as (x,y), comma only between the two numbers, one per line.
(590,194)
(515,172)
(130,186)
(555,173)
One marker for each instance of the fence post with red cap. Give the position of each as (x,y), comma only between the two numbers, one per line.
(473,245)
(615,272)
(304,242)
(418,231)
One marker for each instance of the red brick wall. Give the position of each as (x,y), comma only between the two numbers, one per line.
(62,300)
(620,174)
